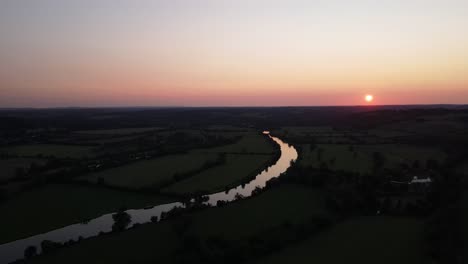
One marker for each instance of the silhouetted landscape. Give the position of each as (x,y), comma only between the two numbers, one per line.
(370,184)
(233,131)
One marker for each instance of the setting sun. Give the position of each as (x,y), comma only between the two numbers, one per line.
(369,98)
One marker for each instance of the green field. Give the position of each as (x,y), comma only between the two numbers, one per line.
(9,167)
(158,242)
(160,170)
(251,143)
(119,131)
(55,206)
(364,240)
(236,168)
(360,158)
(150,172)
(59,151)
(293,203)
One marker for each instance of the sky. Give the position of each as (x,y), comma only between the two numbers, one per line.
(56,53)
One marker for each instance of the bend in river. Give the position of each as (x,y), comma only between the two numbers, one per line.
(15,250)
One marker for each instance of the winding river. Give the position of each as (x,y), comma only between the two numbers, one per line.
(12,251)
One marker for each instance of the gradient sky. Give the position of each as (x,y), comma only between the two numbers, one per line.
(240,52)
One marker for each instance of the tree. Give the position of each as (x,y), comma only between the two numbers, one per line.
(121,220)
(30,252)
(48,246)
(154,219)
(256,191)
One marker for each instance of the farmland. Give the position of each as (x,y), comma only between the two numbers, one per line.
(55,206)
(245,219)
(350,196)
(363,240)
(49,150)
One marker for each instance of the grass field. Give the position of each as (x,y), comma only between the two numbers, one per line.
(293,203)
(8,167)
(236,168)
(59,151)
(360,159)
(149,172)
(119,131)
(55,206)
(251,143)
(158,242)
(363,240)
(152,172)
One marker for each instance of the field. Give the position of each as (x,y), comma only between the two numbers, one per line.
(236,168)
(363,240)
(9,167)
(161,170)
(308,215)
(57,205)
(160,241)
(46,150)
(251,143)
(150,172)
(119,131)
(359,158)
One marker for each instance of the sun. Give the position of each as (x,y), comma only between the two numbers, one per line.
(369,98)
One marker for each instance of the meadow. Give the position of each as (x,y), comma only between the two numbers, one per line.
(250,143)
(164,170)
(119,131)
(49,150)
(161,241)
(359,158)
(364,240)
(234,170)
(57,205)
(146,173)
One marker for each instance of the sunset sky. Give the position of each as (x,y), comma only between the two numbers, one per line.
(232,53)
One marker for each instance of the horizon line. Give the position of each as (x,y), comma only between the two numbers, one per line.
(220,106)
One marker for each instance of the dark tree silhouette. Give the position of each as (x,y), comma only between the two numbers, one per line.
(30,252)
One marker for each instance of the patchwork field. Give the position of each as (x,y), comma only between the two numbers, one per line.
(236,168)
(161,241)
(147,173)
(363,240)
(359,158)
(150,172)
(57,205)
(46,150)
(251,143)
(119,131)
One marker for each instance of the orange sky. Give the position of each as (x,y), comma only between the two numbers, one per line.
(234,53)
